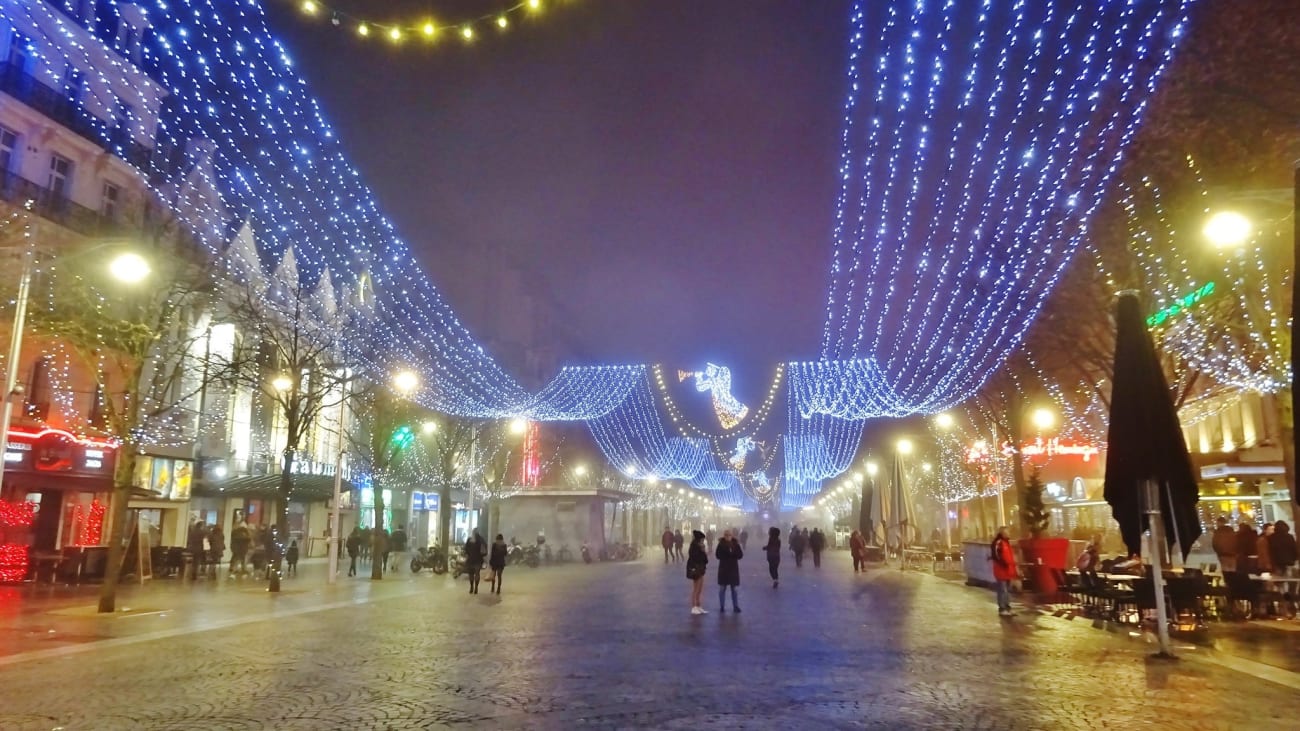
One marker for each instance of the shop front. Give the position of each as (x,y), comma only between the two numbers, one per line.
(423,531)
(256,500)
(162,496)
(56,495)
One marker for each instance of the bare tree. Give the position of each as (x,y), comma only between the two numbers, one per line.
(290,355)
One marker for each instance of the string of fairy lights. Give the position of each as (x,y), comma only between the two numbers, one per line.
(944,244)
(976,143)
(427,28)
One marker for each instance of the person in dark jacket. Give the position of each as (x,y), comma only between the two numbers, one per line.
(474,554)
(668,542)
(817,543)
(1247,544)
(1283,548)
(497,562)
(216,550)
(773,549)
(728,553)
(697,565)
(291,557)
(678,542)
(1225,545)
(354,550)
(798,543)
(241,537)
(194,542)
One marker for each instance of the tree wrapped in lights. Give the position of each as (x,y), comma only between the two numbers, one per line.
(136,344)
(290,353)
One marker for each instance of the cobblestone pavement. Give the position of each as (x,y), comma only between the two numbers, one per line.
(613,646)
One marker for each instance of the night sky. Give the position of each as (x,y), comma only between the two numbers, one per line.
(664,168)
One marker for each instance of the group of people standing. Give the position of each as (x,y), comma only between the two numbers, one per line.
(1272,549)
(361,545)
(729,550)
(249,545)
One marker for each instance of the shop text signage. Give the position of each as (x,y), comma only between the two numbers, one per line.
(57,451)
(1040,447)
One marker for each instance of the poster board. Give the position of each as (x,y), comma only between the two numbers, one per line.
(137,553)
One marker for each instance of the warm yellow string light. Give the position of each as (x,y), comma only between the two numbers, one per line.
(427,28)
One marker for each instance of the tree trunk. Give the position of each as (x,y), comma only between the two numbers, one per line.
(444,518)
(275,557)
(378,539)
(123,473)
(494,516)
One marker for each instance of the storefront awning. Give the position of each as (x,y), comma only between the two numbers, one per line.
(305,488)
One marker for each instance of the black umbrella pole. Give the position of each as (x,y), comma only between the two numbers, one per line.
(1151,491)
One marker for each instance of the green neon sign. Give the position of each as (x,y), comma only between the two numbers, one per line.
(1181,305)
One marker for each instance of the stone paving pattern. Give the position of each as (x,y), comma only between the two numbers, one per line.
(613,646)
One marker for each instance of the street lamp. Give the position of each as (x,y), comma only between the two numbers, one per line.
(282,383)
(518,426)
(1227,229)
(944,421)
(872,469)
(1043,418)
(429,427)
(904,446)
(405,382)
(129,268)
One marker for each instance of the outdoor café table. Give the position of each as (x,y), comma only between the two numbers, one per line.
(1290,584)
(917,557)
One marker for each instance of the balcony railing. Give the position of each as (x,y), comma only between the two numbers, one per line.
(55,104)
(59,208)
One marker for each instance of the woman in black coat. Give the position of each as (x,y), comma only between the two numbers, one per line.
(497,562)
(697,565)
(773,549)
(729,554)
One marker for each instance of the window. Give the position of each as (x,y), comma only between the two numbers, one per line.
(19,54)
(109,201)
(74,85)
(60,180)
(8,150)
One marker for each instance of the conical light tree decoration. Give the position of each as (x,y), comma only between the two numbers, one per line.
(978,138)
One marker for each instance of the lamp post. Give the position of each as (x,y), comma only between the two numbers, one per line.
(333,543)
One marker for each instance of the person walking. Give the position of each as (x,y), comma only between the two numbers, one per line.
(798,544)
(497,562)
(1247,544)
(744,538)
(773,550)
(354,551)
(240,539)
(1282,548)
(728,553)
(678,541)
(291,557)
(858,549)
(667,540)
(817,543)
(474,550)
(1004,570)
(216,550)
(1264,550)
(697,565)
(1225,545)
(397,548)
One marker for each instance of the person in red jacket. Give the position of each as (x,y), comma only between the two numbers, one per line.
(1004,570)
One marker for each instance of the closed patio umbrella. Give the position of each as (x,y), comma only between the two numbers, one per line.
(1144,441)
(1147,465)
(900,518)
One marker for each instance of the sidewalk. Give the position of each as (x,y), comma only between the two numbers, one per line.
(41,618)
(1273,643)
